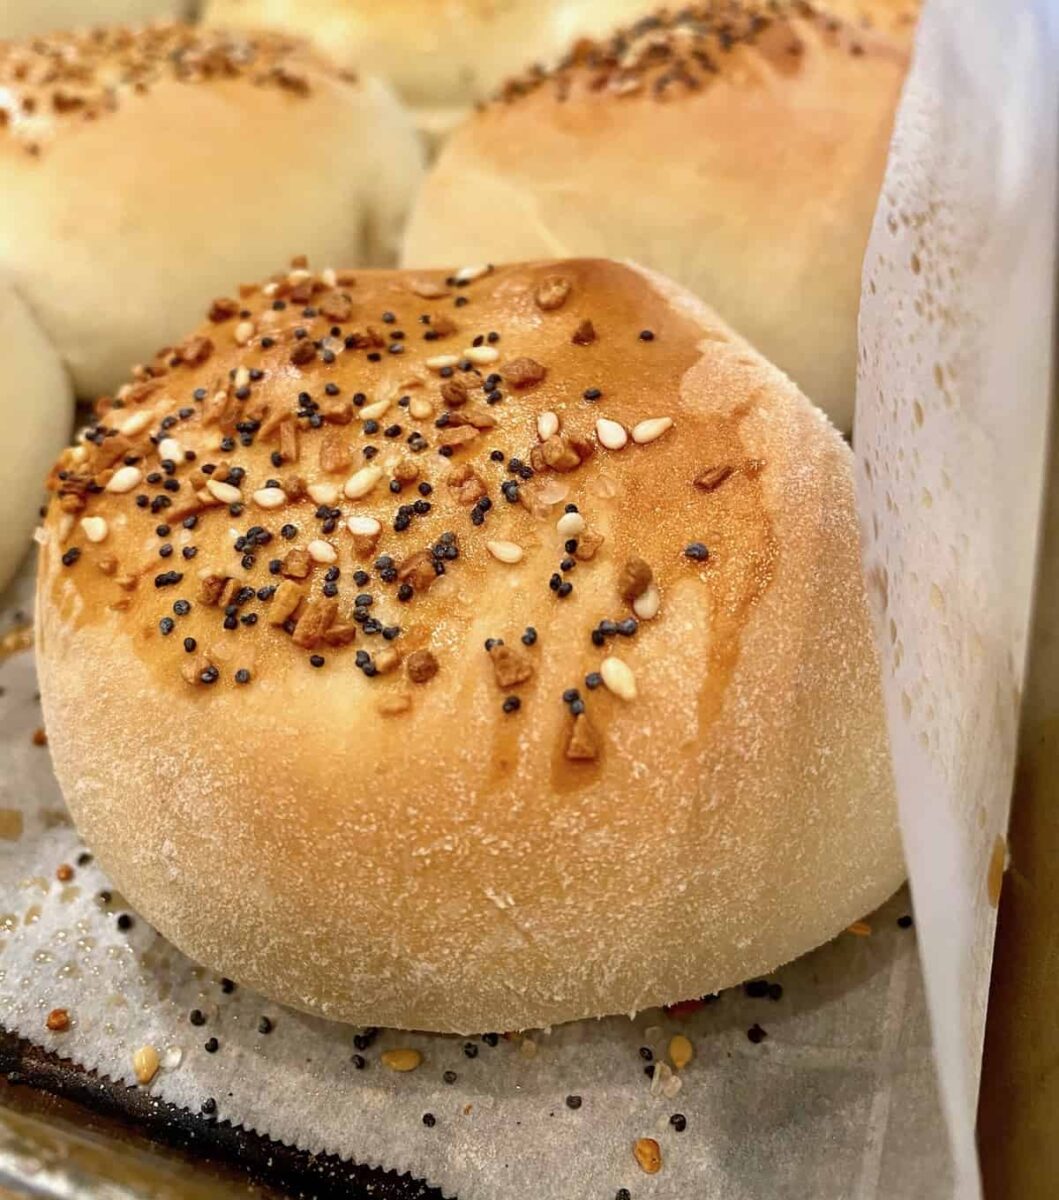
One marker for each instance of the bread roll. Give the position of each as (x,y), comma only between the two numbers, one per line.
(598,726)
(140,171)
(36,412)
(738,148)
(22,18)
(441,55)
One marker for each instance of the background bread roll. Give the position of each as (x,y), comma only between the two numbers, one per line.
(420,827)
(441,55)
(36,413)
(141,171)
(739,148)
(21,18)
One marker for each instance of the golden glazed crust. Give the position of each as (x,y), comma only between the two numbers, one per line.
(143,169)
(738,148)
(446,841)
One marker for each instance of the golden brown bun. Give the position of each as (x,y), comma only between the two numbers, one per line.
(741,156)
(440,55)
(140,171)
(402,851)
(36,415)
(22,18)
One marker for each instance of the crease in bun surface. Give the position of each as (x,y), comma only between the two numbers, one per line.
(468,650)
(737,147)
(141,169)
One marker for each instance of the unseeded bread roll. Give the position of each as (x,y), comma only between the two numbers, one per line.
(141,170)
(23,18)
(739,148)
(36,415)
(440,55)
(470,652)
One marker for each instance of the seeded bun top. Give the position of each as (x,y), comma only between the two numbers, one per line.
(138,172)
(739,148)
(23,18)
(468,650)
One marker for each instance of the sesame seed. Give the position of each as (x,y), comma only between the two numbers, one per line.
(611,434)
(469,274)
(224,492)
(371,411)
(547,425)
(651,430)
(94,528)
(646,335)
(270,497)
(440,361)
(364,526)
(646,605)
(124,480)
(618,678)
(480,355)
(321,552)
(362,482)
(135,424)
(505,552)
(324,493)
(570,524)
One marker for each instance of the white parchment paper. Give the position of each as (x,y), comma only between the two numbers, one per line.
(840,1098)
(952,422)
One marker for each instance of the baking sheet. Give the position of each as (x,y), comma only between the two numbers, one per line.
(839,1098)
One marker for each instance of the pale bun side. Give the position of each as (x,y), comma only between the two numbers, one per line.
(214,157)
(24,18)
(36,414)
(753,181)
(409,829)
(440,55)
